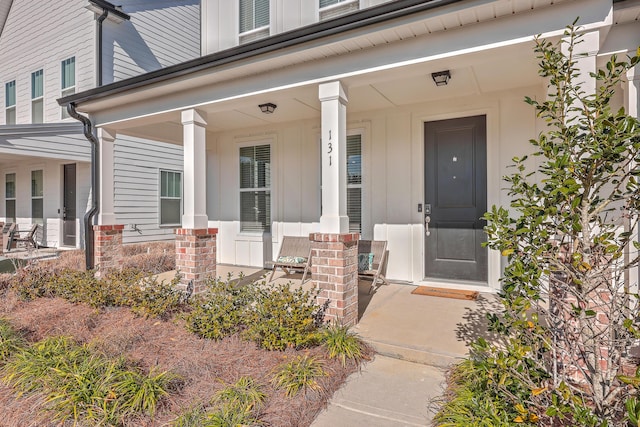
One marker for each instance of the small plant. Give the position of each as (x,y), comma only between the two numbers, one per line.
(301,373)
(85,386)
(283,317)
(245,393)
(221,311)
(342,343)
(10,341)
(192,417)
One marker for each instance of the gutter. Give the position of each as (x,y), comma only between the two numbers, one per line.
(353,21)
(87,129)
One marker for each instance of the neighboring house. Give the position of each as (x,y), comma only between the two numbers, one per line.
(50,49)
(393,119)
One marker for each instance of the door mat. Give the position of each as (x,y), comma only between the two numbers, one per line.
(445,293)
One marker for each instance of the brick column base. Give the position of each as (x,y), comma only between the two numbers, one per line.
(107,248)
(334,270)
(196,256)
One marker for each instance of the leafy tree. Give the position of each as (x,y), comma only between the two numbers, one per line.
(569,312)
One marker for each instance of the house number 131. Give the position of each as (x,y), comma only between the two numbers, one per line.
(330,148)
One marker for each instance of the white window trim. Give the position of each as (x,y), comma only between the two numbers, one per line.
(39,97)
(4,190)
(66,91)
(327,9)
(160,197)
(14,106)
(248,142)
(32,197)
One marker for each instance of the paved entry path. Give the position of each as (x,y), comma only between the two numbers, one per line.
(388,392)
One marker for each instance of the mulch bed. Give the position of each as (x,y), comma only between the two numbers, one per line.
(205,366)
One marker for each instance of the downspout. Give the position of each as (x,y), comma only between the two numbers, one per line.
(100,20)
(87,129)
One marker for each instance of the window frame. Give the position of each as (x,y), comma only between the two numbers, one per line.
(255,32)
(35,197)
(161,197)
(334,10)
(37,99)
(10,108)
(66,90)
(355,186)
(267,190)
(10,199)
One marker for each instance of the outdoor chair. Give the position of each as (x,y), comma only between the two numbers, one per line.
(372,255)
(28,240)
(295,253)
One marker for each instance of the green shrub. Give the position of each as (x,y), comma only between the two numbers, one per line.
(342,343)
(10,341)
(301,373)
(221,311)
(282,317)
(85,386)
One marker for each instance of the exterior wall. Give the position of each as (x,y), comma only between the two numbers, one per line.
(137,186)
(160,33)
(52,195)
(393,176)
(56,31)
(219,32)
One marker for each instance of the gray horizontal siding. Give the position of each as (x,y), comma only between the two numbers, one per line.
(160,33)
(51,142)
(136,183)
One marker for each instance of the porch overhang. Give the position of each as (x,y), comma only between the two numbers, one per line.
(365,50)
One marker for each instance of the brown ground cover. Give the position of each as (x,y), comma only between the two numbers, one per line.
(204,366)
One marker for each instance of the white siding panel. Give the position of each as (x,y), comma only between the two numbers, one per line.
(160,33)
(39,35)
(136,184)
(46,144)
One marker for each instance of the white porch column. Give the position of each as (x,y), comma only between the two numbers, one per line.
(333,99)
(106,139)
(195,171)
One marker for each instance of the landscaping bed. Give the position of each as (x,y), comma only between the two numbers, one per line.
(154,342)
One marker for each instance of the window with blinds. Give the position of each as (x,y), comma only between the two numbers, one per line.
(68,83)
(331,8)
(255,188)
(10,102)
(37,197)
(10,197)
(254,20)
(37,97)
(170,198)
(354,183)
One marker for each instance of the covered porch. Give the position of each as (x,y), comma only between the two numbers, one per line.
(342,150)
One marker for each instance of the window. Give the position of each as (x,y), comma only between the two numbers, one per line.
(10,102)
(332,8)
(37,193)
(170,198)
(255,188)
(254,20)
(37,100)
(354,183)
(10,197)
(68,83)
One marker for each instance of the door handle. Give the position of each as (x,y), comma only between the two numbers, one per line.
(427,220)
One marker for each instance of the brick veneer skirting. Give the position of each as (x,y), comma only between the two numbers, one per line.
(108,247)
(196,256)
(334,270)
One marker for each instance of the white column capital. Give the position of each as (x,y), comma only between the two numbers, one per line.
(332,91)
(194,117)
(106,134)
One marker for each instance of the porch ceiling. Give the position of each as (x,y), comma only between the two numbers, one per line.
(472,74)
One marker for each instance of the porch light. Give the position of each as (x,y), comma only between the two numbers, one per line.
(267,108)
(441,78)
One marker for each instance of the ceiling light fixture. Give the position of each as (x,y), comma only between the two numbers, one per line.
(267,108)
(441,78)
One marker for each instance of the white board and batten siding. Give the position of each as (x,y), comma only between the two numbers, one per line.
(160,33)
(136,175)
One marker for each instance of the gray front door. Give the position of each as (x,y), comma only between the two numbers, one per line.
(455,199)
(69,207)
